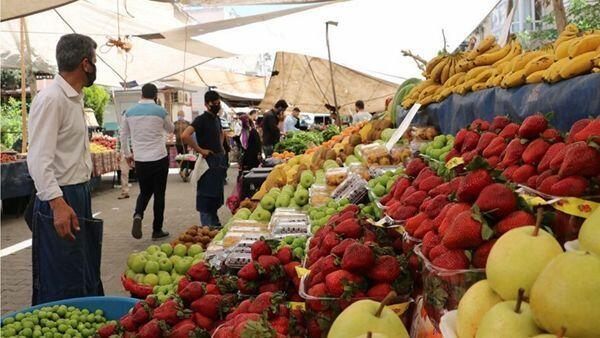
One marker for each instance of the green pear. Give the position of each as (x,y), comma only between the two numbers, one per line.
(589,234)
(366,316)
(518,257)
(478,299)
(567,294)
(510,319)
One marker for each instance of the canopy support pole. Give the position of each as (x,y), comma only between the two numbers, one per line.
(335,104)
(23,90)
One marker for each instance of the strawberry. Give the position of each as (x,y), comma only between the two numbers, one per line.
(546,185)
(437,221)
(357,258)
(436,251)
(202,321)
(402,212)
(535,151)
(493,161)
(409,191)
(351,208)
(498,199)
(472,185)
(246,287)
(414,167)
(208,305)
(369,237)
(141,315)
(269,263)
(442,189)
(401,186)
(430,183)
(552,151)
(430,241)
(184,329)
(460,138)
(249,271)
(200,272)
(317,291)
(485,140)
(242,308)
(513,152)
(281,324)
(452,154)
(421,176)
(452,260)
(349,228)
(580,159)
(225,331)
(499,122)
(551,135)
(379,291)
(533,126)
(464,232)
(481,254)
(260,248)
(339,249)
(509,131)
(523,173)
(269,287)
(153,329)
(338,282)
(456,182)
(386,269)
(436,206)
(558,159)
(470,142)
(108,330)
(576,128)
(513,220)
(170,312)
(531,181)
(470,155)
(266,301)
(574,186)
(413,223)
(284,255)
(425,227)
(451,215)
(192,291)
(183,282)
(509,172)
(416,198)
(480,125)
(590,132)
(541,177)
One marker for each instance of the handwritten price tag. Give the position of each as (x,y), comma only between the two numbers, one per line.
(399,309)
(302,271)
(534,201)
(298,305)
(454,162)
(576,206)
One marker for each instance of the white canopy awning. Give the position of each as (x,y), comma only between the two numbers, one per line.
(216,3)
(12,9)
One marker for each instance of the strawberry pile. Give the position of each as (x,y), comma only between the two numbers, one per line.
(263,316)
(270,271)
(536,155)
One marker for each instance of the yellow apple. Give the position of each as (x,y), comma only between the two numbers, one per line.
(589,234)
(373,335)
(567,295)
(510,319)
(478,299)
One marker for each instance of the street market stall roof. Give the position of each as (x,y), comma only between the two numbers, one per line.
(215,3)
(12,9)
(304,82)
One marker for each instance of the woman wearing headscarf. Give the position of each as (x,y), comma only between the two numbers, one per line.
(250,144)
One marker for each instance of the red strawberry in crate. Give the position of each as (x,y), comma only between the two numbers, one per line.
(192,291)
(436,251)
(469,156)
(472,185)
(430,241)
(249,271)
(535,151)
(485,140)
(558,159)
(576,128)
(523,173)
(590,132)
(513,220)
(452,260)
(269,287)
(464,232)
(200,272)
(470,142)
(499,122)
(269,263)
(495,147)
(580,159)
(349,228)
(414,167)
(509,132)
(152,329)
(454,211)
(498,199)
(436,205)
(416,198)
(480,125)
(552,151)
(409,191)
(531,181)
(379,291)
(339,249)
(290,269)
(402,212)
(425,227)
(442,189)
(260,248)
(266,302)
(574,186)
(437,221)
(280,324)
(342,281)
(241,308)
(430,183)
(284,254)
(460,138)
(425,173)
(317,291)
(456,182)
(546,185)
(508,172)
(493,161)
(184,329)
(551,135)
(386,269)
(541,177)
(565,227)
(481,254)
(208,305)
(533,126)
(202,321)
(413,223)
(357,258)
(512,153)
(170,312)
(369,237)
(108,330)
(452,154)
(401,187)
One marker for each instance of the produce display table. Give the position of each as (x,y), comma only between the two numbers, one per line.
(252,181)
(570,100)
(15,181)
(104,162)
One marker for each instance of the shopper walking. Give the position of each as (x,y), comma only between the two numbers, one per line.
(209,144)
(146,123)
(270,126)
(250,145)
(180,125)
(67,242)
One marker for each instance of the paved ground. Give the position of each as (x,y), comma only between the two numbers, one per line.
(180,213)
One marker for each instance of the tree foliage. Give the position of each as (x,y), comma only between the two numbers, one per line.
(96,98)
(10,122)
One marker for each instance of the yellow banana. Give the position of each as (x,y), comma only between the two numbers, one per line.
(596,70)
(452,80)
(498,80)
(485,44)
(474,72)
(437,70)
(446,92)
(514,79)
(570,32)
(489,57)
(571,29)
(490,82)
(426,100)
(539,63)
(597,60)
(524,59)
(428,91)
(407,103)
(432,63)
(552,74)
(535,77)
(562,50)
(586,44)
(445,72)
(468,84)
(478,86)
(514,52)
(581,64)
(483,76)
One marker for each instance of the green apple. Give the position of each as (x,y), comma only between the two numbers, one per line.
(379,190)
(152,249)
(167,249)
(589,234)
(263,215)
(175,276)
(344,202)
(139,277)
(130,274)
(182,266)
(151,279)
(138,263)
(152,267)
(243,213)
(165,264)
(283,201)
(180,250)
(478,299)
(165,279)
(131,258)
(159,255)
(567,294)
(301,197)
(268,203)
(288,189)
(508,319)
(366,316)
(517,258)
(195,249)
(307,179)
(174,259)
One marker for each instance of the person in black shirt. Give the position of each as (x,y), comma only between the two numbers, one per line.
(209,144)
(271,132)
(250,144)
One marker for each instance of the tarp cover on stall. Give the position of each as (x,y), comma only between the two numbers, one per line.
(15,180)
(570,100)
(305,82)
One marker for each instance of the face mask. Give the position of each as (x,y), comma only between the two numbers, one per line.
(91,76)
(215,109)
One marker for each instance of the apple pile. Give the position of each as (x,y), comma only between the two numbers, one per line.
(270,271)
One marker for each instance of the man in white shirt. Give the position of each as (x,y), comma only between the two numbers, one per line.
(67,242)
(291,121)
(146,124)
(361,114)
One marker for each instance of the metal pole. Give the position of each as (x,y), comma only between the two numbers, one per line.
(23,91)
(335,104)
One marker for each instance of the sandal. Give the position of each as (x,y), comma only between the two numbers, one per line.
(123,196)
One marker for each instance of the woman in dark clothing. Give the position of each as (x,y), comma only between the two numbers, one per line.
(251,144)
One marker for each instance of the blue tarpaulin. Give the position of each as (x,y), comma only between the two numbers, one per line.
(569,100)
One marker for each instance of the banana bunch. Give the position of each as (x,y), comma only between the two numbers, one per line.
(574,54)
(443,67)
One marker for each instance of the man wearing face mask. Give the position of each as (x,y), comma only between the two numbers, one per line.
(67,241)
(146,124)
(209,143)
(271,131)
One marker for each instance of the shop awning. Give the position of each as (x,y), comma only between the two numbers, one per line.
(12,9)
